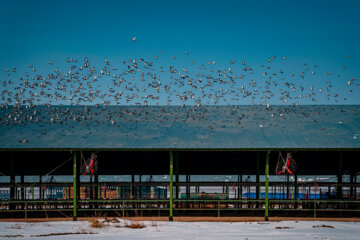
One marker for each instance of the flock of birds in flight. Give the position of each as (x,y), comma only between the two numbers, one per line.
(141,82)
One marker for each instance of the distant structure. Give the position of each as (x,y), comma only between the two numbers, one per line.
(176,142)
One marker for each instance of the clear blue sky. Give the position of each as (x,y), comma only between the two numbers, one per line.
(315,32)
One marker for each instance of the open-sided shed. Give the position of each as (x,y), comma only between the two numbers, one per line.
(167,140)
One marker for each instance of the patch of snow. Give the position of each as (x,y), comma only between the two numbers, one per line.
(186,230)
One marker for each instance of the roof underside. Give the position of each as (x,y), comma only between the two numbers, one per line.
(175,127)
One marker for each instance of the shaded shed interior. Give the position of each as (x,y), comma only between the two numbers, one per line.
(190,162)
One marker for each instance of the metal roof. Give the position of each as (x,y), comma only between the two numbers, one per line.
(176,127)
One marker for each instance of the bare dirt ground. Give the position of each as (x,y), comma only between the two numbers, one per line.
(189,219)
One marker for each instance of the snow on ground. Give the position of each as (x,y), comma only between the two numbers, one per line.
(183,230)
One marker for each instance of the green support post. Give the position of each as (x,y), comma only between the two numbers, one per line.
(23,190)
(96,182)
(257,175)
(132,187)
(218,208)
(40,187)
(296,191)
(287,187)
(267,186)
(355,188)
(91,188)
(351,184)
(78,189)
(241,188)
(340,175)
(74,187)
(96,189)
(187,186)
(26,206)
(140,190)
(12,181)
(171,185)
(315,205)
(177,175)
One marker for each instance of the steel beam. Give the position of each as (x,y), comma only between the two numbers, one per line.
(267,186)
(74,187)
(171,185)
(257,175)
(132,186)
(296,190)
(351,182)
(40,187)
(177,175)
(96,182)
(12,180)
(340,175)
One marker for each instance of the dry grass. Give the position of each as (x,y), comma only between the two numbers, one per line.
(115,220)
(111,220)
(154,224)
(11,236)
(16,226)
(61,234)
(134,224)
(95,223)
(284,227)
(323,226)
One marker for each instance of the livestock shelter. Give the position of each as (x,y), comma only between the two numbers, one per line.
(179,161)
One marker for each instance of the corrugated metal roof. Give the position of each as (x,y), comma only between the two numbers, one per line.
(175,127)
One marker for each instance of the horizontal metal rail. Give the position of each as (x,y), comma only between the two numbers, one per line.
(84,205)
(180,184)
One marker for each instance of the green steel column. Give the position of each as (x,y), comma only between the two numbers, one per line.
(241,188)
(91,188)
(267,187)
(99,192)
(340,175)
(296,191)
(351,184)
(132,187)
(23,190)
(187,186)
(140,192)
(355,188)
(12,180)
(74,187)
(171,185)
(40,187)
(96,182)
(78,189)
(177,175)
(257,175)
(287,186)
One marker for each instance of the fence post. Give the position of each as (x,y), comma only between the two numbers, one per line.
(26,206)
(171,185)
(74,187)
(267,186)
